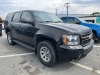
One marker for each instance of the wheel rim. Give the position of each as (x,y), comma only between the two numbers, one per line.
(45,54)
(9,38)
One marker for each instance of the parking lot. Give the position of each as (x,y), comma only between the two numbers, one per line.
(17,60)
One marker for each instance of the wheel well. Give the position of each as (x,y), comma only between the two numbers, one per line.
(41,38)
(7,30)
(94,32)
(44,38)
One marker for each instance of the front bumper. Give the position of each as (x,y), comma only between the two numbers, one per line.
(71,52)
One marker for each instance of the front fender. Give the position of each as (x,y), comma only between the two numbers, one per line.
(96,29)
(48,35)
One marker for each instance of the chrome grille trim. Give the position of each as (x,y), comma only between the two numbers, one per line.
(86,38)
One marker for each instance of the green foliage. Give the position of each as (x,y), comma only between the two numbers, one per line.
(95,13)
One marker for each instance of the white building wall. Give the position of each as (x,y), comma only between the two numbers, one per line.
(89,18)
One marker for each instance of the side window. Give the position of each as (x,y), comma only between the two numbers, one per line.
(16,17)
(64,19)
(27,15)
(73,20)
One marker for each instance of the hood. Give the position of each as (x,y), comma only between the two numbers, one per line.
(72,28)
(93,24)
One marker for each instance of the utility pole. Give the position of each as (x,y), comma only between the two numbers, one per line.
(56,11)
(67,6)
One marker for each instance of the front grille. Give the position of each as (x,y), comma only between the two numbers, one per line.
(86,38)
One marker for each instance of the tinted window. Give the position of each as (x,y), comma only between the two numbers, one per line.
(64,19)
(90,21)
(16,17)
(45,17)
(27,15)
(9,17)
(73,20)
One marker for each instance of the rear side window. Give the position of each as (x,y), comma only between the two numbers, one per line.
(16,17)
(27,15)
(9,17)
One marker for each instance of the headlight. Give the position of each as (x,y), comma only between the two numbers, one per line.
(71,39)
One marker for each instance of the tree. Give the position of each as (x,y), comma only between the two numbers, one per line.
(95,13)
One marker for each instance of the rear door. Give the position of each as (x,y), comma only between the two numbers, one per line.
(15,25)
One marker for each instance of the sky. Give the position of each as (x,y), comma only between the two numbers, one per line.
(76,6)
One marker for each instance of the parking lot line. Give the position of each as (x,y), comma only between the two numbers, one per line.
(5,36)
(96,46)
(85,67)
(16,55)
(74,63)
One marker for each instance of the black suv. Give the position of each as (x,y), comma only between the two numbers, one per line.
(48,36)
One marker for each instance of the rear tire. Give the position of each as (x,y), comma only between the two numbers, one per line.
(10,39)
(46,53)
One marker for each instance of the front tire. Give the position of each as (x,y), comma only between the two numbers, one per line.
(94,37)
(10,39)
(46,53)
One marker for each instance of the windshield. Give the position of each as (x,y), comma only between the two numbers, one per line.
(45,17)
(82,20)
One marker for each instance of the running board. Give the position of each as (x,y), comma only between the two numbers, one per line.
(25,45)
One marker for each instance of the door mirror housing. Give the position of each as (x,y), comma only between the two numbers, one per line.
(26,20)
(77,22)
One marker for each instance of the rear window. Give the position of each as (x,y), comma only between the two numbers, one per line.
(16,17)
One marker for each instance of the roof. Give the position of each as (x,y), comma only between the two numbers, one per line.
(73,15)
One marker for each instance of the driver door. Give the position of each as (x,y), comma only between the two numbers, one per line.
(27,30)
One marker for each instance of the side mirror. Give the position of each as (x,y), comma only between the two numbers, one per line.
(77,22)
(26,20)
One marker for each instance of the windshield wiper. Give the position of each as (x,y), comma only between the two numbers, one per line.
(52,21)
(58,22)
(45,21)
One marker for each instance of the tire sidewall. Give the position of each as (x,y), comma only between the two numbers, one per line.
(52,51)
(11,43)
(94,36)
